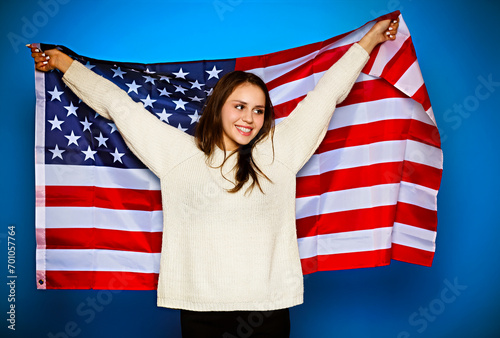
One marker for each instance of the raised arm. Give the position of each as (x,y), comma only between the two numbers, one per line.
(158,145)
(299,135)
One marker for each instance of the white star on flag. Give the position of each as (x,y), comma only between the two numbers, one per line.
(148,102)
(102,140)
(56,123)
(86,124)
(72,138)
(149,79)
(113,128)
(213,73)
(71,109)
(163,115)
(57,152)
(195,117)
(180,74)
(118,72)
(163,92)
(89,153)
(196,84)
(56,94)
(117,156)
(180,89)
(195,99)
(179,104)
(132,87)
(89,66)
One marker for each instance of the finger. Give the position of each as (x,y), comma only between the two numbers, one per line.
(389,35)
(41,65)
(41,58)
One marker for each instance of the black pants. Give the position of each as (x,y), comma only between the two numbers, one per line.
(236,324)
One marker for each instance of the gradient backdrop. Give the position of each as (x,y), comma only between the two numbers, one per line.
(457,43)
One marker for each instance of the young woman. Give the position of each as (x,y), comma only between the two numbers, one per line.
(229,256)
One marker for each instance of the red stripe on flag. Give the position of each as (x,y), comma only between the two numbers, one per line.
(400,62)
(93,238)
(412,255)
(371,90)
(110,198)
(344,221)
(425,133)
(104,280)
(422,97)
(378,131)
(351,260)
(276,58)
(365,91)
(369,64)
(321,63)
(342,179)
(422,174)
(284,109)
(416,216)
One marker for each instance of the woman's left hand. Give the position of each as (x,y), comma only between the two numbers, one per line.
(382,31)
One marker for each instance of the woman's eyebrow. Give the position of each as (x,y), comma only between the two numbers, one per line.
(245,103)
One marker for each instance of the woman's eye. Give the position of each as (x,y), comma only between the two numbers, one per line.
(239,106)
(259,111)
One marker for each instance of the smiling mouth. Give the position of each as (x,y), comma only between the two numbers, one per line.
(244,130)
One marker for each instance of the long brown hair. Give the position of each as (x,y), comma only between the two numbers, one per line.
(209,132)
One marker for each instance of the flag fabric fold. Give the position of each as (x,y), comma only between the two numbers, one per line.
(367,195)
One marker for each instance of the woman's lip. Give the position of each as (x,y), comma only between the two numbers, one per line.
(244,132)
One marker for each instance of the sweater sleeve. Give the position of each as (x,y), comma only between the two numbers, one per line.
(158,145)
(298,136)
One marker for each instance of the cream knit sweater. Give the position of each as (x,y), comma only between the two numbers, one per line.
(224,251)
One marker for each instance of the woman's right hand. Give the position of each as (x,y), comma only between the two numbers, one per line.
(50,59)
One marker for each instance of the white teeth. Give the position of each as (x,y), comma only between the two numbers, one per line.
(243,129)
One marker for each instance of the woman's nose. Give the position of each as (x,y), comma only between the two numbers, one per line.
(247,116)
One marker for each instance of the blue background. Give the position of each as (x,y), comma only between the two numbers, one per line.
(457,43)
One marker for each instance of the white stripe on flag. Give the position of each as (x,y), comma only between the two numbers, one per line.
(300,87)
(294,89)
(345,242)
(126,220)
(101,260)
(411,80)
(424,154)
(270,73)
(418,195)
(373,111)
(390,48)
(352,157)
(105,177)
(350,199)
(368,154)
(414,237)
(430,114)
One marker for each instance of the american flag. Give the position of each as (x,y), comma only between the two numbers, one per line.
(368,194)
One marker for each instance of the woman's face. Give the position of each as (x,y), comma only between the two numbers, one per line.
(242,115)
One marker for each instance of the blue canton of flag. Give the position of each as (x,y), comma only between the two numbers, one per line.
(173,92)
